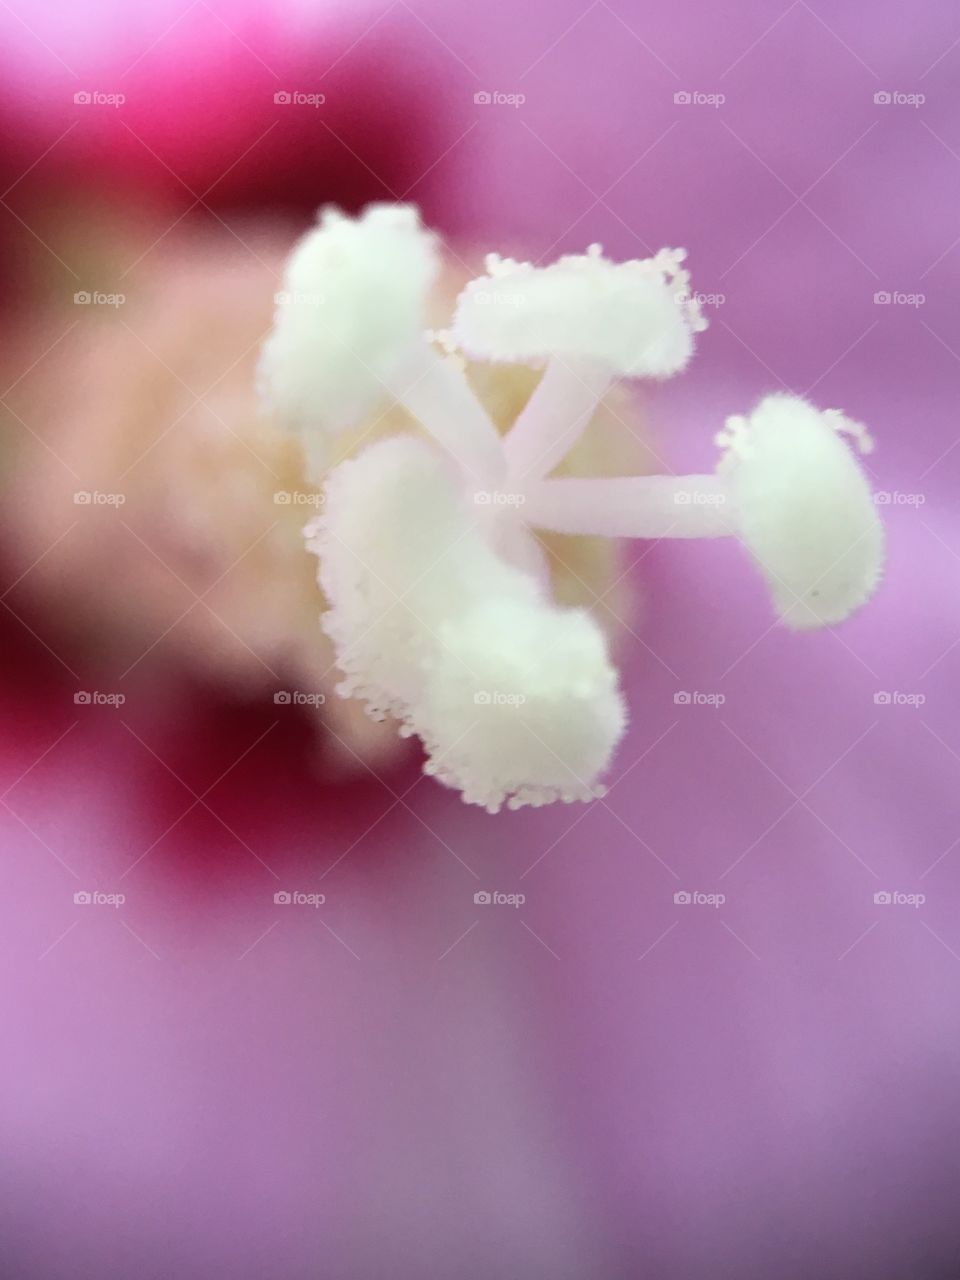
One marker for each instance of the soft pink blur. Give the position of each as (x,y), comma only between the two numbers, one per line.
(600,1083)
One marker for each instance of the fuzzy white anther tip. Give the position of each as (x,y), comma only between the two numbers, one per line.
(635,318)
(352,309)
(804,508)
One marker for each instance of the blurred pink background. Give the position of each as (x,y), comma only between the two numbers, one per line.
(601,1082)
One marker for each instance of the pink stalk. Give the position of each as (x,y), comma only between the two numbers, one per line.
(434,391)
(555,416)
(633,507)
